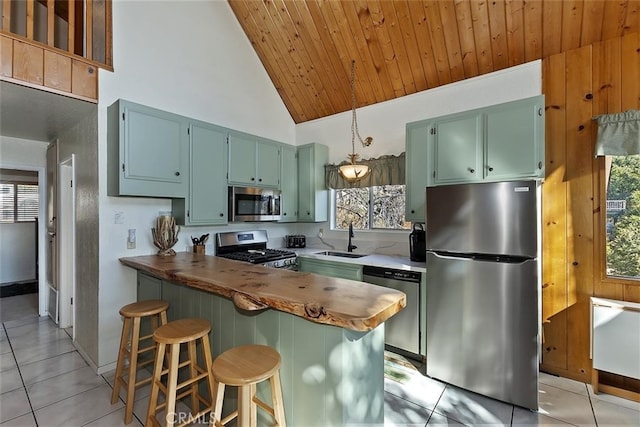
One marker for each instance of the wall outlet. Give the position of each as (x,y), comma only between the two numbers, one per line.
(131,239)
(320,233)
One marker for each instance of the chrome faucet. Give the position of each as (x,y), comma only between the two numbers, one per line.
(351,247)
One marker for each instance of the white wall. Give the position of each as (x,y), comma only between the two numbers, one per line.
(186,57)
(18,252)
(16,153)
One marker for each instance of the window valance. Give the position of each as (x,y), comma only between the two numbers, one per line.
(618,134)
(385,170)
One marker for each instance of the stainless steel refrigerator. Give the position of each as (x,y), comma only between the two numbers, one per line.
(483,288)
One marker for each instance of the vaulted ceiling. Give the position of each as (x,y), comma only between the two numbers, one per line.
(402,47)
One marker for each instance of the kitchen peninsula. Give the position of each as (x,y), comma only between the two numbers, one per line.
(329,331)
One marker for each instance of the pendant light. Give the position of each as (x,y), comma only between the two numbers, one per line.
(354,171)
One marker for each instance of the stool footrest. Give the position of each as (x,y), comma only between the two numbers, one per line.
(192,380)
(146,349)
(264,406)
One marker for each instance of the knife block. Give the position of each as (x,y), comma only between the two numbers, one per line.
(198,249)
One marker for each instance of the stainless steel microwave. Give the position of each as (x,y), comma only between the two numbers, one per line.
(253,204)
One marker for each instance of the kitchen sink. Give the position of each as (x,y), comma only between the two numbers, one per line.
(341,254)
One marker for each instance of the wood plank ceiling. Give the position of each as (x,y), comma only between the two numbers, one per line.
(402,47)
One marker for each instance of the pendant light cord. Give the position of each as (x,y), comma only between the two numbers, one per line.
(354,121)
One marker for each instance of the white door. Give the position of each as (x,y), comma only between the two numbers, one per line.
(66,236)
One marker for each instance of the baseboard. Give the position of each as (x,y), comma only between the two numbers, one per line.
(15,289)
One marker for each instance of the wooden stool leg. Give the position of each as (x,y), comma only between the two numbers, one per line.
(253,408)
(133,369)
(172,383)
(276,399)
(193,359)
(217,397)
(206,350)
(156,380)
(244,406)
(122,351)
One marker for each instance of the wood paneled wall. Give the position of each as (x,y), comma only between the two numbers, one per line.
(41,67)
(579,84)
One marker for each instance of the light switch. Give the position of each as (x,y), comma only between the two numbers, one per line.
(131,239)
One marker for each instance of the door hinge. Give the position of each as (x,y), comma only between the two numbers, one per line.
(71,183)
(123,167)
(122,116)
(432,131)
(188,213)
(71,300)
(188,131)
(434,174)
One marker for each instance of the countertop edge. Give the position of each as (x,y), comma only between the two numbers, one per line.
(313,312)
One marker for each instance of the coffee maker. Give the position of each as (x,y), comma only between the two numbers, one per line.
(417,244)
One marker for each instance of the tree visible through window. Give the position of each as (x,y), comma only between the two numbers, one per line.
(623,217)
(379,207)
(18,202)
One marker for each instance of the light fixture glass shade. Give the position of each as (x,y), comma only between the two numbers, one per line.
(354,171)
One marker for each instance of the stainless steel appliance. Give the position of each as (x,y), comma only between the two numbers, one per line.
(403,330)
(251,246)
(253,204)
(483,288)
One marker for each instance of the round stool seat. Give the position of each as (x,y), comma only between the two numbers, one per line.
(144,308)
(182,331)
(246,364)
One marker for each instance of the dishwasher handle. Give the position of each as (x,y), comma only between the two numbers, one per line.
(391,273)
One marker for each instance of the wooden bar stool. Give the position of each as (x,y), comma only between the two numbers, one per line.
(244,367)
(130,348)
(173,334)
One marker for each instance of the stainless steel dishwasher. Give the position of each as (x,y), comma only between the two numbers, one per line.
(401,331)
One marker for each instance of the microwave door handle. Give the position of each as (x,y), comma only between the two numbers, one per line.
(272,205)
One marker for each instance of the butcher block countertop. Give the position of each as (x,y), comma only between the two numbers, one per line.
(344,303)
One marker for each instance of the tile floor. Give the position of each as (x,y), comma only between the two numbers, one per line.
(45,382)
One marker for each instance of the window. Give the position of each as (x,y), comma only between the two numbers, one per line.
(378,207)
(622,224)
(18,202)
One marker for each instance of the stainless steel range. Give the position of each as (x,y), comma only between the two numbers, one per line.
(251,246)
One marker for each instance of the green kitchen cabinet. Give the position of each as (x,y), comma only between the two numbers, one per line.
(457,148)
(417,179)
(147,152)
(338,269)
(206,203)
(289,183)
(496,143)
(253,161)
(515,140)
(313,196)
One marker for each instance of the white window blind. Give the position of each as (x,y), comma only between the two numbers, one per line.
(18,202)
